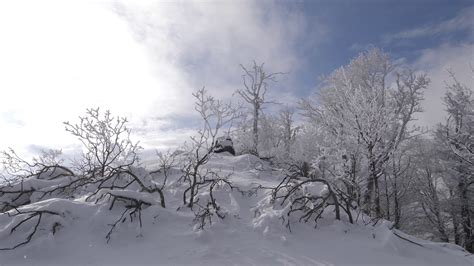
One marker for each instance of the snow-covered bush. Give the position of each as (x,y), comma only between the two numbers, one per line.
(305,198)
(195,176)
(106,173)
(24,182)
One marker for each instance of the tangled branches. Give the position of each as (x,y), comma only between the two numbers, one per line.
(106,171)
(307,197)
(215,115)
(21,218)
(132,202)
(205,212)
(44,176)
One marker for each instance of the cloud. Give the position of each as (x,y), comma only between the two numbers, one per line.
(359,47)
(60,57)
(139,59)
(203,44)
(206,41)
(436,62)
(463,21)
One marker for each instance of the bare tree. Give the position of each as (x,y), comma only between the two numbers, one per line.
(48,165)
(22,218)
(107,172)
(166,163)
(256,82)
(106,142)
(24,182)
(20,178)
(215,116)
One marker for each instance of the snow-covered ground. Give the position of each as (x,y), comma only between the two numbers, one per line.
(246,236)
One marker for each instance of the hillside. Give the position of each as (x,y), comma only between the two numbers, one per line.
(251,233)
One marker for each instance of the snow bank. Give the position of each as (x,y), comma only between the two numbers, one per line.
(251,234)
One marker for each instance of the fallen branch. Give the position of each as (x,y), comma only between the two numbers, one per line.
(406,239)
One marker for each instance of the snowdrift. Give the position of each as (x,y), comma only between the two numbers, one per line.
(252,232)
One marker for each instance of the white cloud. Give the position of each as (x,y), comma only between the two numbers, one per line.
(463,21)
(204,43)
(60,57)
(138,59)
(208,40)
(436,62)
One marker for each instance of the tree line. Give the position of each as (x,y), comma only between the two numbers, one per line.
(360,134)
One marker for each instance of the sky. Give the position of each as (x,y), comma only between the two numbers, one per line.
(143,59)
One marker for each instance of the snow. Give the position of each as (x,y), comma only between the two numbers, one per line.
(251,234)
(225,142)
(131,194)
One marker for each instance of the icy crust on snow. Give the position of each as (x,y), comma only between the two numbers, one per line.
(251,234)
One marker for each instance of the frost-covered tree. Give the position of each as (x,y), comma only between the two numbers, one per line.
(288,130)
(256,82)
(456,136)
(397,182)
(278,133)
(366,107)
(431,195)
(269,136)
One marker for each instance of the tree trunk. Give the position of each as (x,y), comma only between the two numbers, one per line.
(255,128)
(457,235)
(387,197)
(369,192)
(193,188)
(439,219)
(370,183)
(349,214)
(396,202)
(378,210)
(372,195)
(454,218)
(466,218)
